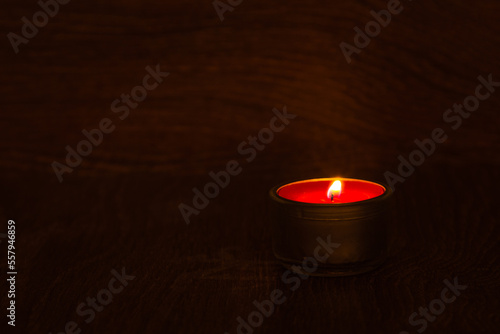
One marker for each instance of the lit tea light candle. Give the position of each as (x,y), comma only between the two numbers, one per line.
(350,212)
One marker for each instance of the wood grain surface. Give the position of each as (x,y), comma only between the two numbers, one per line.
(119,207)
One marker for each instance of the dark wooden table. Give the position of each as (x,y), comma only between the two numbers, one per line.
(118,209)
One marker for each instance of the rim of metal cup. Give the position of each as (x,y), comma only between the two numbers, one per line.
(326,211)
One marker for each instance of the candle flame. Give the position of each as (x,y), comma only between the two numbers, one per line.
(335,190)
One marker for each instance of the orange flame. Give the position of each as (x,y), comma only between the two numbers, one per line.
(335,190)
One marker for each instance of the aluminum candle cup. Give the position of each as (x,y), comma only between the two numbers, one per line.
(330,226)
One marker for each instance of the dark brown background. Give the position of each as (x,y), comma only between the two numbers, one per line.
(119,208)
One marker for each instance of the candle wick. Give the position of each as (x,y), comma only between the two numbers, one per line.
(331,197)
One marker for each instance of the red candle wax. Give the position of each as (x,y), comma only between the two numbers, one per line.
(317,191)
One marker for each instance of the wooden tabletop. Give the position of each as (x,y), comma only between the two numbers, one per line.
(104,248)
